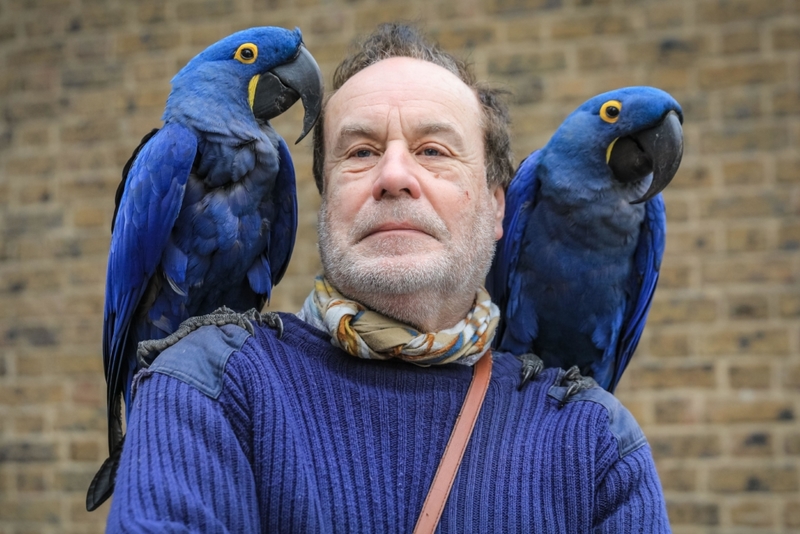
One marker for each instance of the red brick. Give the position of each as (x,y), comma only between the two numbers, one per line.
(669,344)
(732,10)
(748,307)
(786,38)
(675,276)
(791,444)
(753,479)
(789,236)
(678,479)
(749,376)
(744,139)
(664,15)
(44,509)
(746,239)
(740,40)
(691,177)
(525,63)
(132,43)
(518,6)
(740,341)
(743,172)
(669,78)
(753,514)
(663,377)
(684,446)
(786,101)
(576,27)
(790,305)
(675,410)
(792,376)
(741,104)
(692,513)
(791,514)
(465,36)
(788,171)
(667,51)
(89,130)
(742,74)
(735,411)
(777,270)
(150,11)
(753,443)
(694,310)
(523,28)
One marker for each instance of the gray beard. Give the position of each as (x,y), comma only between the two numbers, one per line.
(407,290)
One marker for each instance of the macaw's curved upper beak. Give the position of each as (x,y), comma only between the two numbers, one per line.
(279,88)
(656,150)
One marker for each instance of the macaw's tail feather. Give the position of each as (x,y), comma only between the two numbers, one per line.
(102,485)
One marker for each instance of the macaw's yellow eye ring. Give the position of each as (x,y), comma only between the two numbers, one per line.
(247,53)
(610,111)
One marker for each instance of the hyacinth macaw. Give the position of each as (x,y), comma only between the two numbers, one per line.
(575,271)
(206,212)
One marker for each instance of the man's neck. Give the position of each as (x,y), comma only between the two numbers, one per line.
(428,312)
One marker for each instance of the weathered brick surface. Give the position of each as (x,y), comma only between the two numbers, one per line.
(716,379)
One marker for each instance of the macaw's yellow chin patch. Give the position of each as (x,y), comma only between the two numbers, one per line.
(608,150)
(251,89)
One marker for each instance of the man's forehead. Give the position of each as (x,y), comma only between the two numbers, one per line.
(403,81)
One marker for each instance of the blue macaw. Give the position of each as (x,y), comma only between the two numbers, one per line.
(584,230)
(206,212)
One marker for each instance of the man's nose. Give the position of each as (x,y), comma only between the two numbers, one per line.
(398,174)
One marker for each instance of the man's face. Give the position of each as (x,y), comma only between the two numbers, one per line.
(406,208)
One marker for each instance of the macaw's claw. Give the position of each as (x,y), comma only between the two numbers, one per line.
(148,350)
(532,365)
(575,382)
(271,319)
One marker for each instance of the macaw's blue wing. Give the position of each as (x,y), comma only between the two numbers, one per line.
(149,204)
(642,283)
(504,278)
(269,268)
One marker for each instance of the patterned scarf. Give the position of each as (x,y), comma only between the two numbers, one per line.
(367,334)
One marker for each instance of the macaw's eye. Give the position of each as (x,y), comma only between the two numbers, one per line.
(609,111)
(247,53)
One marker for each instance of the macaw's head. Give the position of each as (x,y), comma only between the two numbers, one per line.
(636,131)
(254,75)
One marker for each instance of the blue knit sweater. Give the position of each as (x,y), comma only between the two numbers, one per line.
(237,433)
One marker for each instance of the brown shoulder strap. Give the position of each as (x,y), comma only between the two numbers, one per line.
(451,459)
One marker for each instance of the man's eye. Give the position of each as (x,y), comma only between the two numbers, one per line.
(363,153)
(430,152)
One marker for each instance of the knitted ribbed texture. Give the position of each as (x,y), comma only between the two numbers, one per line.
(307,439)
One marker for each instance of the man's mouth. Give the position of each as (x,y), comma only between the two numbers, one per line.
(397,228)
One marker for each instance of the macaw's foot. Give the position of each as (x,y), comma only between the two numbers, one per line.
(148,350)
(271,319)
(575,382)
(532,365)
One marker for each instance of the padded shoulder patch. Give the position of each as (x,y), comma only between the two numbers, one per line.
(622,424)
(199,359)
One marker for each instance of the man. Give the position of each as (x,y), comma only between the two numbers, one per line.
(290,432)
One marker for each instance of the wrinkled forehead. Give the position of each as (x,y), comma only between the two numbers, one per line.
(422,90)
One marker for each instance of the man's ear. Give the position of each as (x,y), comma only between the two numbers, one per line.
(499,204)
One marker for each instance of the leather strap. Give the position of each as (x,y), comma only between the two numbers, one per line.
(451,459)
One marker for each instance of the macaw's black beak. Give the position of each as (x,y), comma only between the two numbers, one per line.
(284,85)
(657,150)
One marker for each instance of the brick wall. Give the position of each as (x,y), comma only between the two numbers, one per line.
(715,382)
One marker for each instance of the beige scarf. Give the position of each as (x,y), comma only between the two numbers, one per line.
(367,334)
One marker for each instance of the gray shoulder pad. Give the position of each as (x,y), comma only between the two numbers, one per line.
(199,359)
(622,424)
